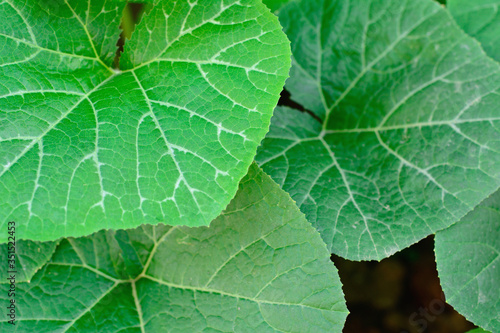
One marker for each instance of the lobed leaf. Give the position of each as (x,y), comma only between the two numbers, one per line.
(403,130)
(235,276)
(166,138)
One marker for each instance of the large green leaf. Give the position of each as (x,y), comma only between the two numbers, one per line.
(26,259)
(164,139)
(468,262)
(260,267)
(481,20)
(408,137)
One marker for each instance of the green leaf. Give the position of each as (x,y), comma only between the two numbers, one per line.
(260,267)
(408,137)
(481,20)
(468,262)
(474,292)
(165,139)
(275,5)
(28,258)
(478,330)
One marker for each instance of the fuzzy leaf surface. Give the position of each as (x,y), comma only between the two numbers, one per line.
(166,138)
(403,134)
(235,276)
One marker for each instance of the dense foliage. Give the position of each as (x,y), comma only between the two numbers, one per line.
(129,173)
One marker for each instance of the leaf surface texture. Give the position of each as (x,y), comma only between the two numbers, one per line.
(481,20)
(468,262)
(29,257)
(405,138)
(467,254)
(235,276)
(166,138)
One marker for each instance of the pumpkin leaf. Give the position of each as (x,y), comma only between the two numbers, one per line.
(235,276)
(165,138)
(402,134)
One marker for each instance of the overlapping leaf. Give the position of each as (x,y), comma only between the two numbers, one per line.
(408,137)
(481,20)
(468,261)
(467,254)
(164,139)
(275,5)
(260,267)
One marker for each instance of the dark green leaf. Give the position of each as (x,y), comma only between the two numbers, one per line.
(28,258)
(468,261)
(481,20)
(260,267)
(408,140)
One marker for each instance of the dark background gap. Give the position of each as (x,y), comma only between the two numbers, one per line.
(382,296)
(286,100)
(131,15)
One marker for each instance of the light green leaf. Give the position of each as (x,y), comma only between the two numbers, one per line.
(260,267)
(481,20)
(468,262)
(26,259)
(408,137)
(164,139)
